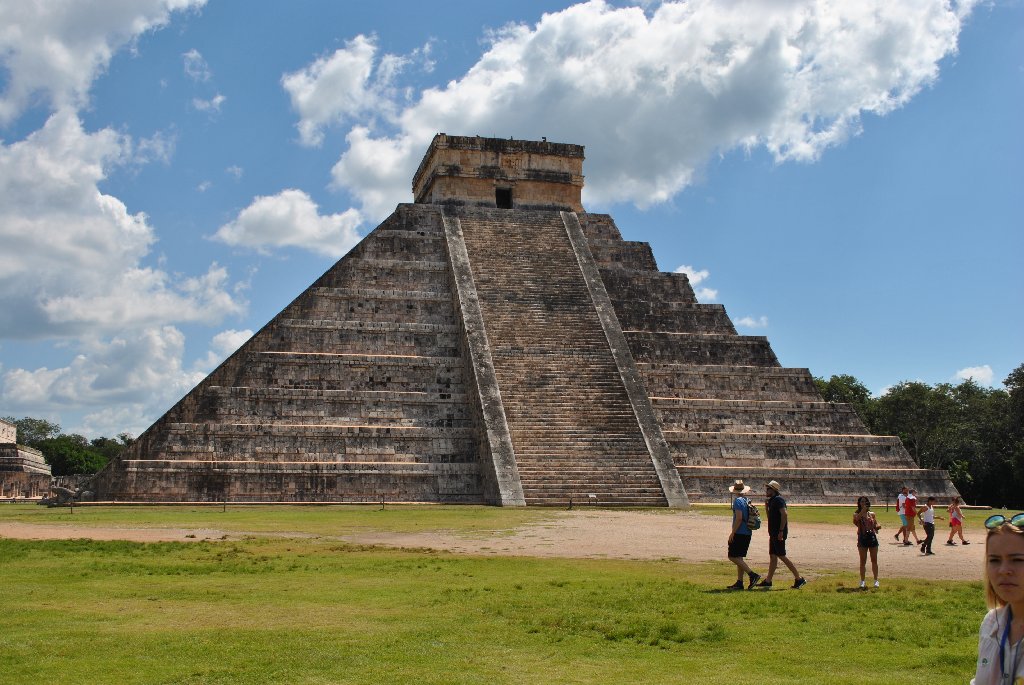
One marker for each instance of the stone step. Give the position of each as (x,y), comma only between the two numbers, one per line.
(673,318)
(704,349)
(703,381)
(654,286)
(681,415)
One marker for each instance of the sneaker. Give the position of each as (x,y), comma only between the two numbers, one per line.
(929,554)
(800,582)
(766,584)
(863,585)
(738,585)
(896,537)
(876,583)
(951,543)
(907,543)
(754,577)
(922,548)
(966,542)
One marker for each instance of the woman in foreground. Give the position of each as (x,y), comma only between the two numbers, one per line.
(1000,648)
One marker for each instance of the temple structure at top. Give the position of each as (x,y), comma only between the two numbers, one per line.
(493,342)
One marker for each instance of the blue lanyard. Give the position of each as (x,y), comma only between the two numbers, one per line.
(1003,642)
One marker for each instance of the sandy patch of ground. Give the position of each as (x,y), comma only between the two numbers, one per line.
(637,535)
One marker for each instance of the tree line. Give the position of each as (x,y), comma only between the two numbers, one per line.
(68,454)
(975,433)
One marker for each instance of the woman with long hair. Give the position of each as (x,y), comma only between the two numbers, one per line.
(1000,643)
(867,538)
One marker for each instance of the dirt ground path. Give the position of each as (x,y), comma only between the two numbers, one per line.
(637,535)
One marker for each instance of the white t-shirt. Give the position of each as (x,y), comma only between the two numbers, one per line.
(928,514)
(901,504)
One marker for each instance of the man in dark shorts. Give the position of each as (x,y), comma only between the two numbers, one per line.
(739,538)
(778,531)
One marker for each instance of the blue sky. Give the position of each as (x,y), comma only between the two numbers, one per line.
(844,177)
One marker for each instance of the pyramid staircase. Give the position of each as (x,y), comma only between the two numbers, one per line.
(572,425)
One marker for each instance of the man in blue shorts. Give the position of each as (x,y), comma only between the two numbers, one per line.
(739,538)
(778,531)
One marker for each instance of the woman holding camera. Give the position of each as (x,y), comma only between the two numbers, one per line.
(867,538)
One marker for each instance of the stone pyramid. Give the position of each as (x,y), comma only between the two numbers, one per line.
(492,342)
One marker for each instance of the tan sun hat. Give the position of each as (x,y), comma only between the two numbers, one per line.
(739,488)
(774,485)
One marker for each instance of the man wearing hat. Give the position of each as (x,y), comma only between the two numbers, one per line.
(778,531)
(739,538)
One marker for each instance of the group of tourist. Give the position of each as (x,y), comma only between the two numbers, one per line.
(908,509)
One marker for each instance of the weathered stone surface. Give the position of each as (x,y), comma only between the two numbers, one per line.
(23,470)
(494,343)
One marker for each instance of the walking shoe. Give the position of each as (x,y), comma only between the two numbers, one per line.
(766,584)
(922,548)
(929,554)
(863,586)
(950,542)
(800,582)
(966,542)
(896,537)
(738,585)
(754,577)
(876,583)
(907,543)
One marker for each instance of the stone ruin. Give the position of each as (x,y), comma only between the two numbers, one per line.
(23,471)
(493,342)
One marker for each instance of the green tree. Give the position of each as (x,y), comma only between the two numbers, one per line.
(847,389)
(71,454)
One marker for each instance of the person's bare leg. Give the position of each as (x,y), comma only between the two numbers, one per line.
(874,564)
(773,562)
(741,568)
(791,567)
(863,552)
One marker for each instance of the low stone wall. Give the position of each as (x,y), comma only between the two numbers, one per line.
(817,486)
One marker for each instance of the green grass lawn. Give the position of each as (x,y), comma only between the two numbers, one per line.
(312,610)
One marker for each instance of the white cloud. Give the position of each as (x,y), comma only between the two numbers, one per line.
(652,96)
(141,368)
(696,276)
(751,322)
(72,258)
(195,66)
(350,82)
(693,274)
(132,379)
(982,375)
(221,346)
(204,186)
(332,88)
(52,50)
(211,105)
(706,295)
(291,219)
(234,171)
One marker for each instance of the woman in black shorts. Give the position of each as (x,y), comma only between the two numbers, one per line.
(867,538)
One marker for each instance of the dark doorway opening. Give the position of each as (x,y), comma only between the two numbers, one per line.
(503,198)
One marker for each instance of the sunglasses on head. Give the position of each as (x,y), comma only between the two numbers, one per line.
(996,520)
